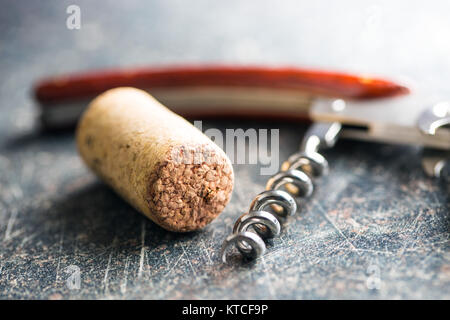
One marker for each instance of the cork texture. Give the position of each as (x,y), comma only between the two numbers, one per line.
(157,161)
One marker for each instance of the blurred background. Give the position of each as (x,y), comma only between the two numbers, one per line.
(402,39)
(55,214)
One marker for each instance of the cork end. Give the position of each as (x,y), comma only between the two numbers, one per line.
(187,194)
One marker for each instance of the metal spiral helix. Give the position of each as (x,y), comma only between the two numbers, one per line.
(297,177)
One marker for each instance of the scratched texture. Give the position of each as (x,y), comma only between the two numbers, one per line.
(375,221)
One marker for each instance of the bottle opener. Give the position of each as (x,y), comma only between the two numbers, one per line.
(340,106)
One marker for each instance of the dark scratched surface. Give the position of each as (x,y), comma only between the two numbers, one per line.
(376,226)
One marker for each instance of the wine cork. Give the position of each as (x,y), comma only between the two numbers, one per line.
(157,161)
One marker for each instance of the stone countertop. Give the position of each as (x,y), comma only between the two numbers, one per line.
(376,226)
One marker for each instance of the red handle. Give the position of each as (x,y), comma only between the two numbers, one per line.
(205,91)
(319,82)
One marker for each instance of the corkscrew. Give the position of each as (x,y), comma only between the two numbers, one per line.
(298,175)
(340,104)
